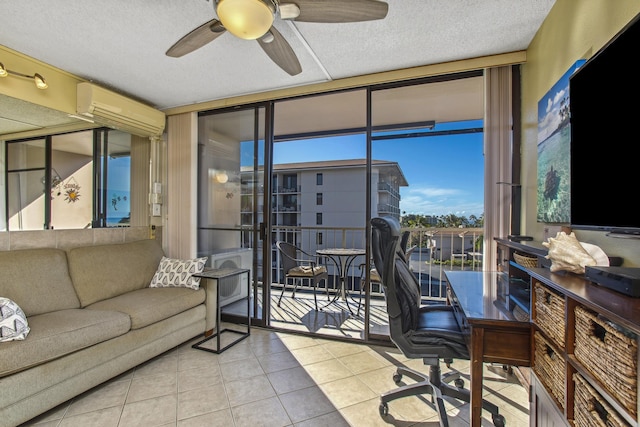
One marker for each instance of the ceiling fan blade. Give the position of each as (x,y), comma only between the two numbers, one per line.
(338,11)
(197,38)
(280,51)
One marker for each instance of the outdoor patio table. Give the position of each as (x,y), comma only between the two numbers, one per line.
(342,258)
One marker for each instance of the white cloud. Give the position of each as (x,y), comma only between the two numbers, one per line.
(558,97)
(434,192)
(440,201)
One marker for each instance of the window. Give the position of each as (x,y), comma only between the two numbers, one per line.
(318,238)
(289,183)
(318,198)
(319,218)
(319,179)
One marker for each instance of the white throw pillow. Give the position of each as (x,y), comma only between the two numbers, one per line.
(13,322)
(176,273)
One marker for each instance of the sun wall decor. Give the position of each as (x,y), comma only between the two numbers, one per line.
(71,191)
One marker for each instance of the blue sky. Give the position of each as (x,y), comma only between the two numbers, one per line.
(549,107)
(445,173)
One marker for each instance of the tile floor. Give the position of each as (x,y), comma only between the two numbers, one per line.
(275,379)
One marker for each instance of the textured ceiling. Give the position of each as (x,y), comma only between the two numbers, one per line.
(121,44)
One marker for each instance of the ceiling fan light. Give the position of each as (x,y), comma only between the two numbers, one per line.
(222,177)
(247,19)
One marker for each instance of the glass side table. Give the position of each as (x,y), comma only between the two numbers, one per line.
(216,275)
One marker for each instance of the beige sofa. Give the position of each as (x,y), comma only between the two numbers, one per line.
(92,316)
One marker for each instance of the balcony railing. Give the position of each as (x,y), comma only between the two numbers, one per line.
(288,208)
(384,186)
(435,251)
(283,189)
(386,208)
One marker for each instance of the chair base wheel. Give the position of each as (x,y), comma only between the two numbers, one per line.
(459,383)
(383,409)
(397,378)
(498,420)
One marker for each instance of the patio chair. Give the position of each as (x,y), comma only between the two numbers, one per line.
(299,265)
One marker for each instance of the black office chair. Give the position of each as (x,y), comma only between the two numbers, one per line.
(428,332)
(374,276)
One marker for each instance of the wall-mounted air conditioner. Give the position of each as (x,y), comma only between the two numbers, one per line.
(235,287)
(116,111)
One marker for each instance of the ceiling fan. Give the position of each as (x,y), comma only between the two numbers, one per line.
(253,20)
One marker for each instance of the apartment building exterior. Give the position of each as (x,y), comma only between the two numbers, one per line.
(326,196)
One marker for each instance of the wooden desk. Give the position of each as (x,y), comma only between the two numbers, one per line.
(492,334)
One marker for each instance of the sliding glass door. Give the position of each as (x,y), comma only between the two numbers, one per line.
(428,172)
(313,170)
(232,202)
(319,205)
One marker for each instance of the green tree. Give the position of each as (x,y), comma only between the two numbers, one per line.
(442,221)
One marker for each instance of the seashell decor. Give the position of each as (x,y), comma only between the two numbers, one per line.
(566,253)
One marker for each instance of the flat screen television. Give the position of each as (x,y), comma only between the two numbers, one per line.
(604,102)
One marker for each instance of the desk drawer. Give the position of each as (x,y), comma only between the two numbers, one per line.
(507,344)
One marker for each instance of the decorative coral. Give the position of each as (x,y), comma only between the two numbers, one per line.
(566,253)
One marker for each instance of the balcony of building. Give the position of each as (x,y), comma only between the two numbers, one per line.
(288,189)
(342,312)
(386,187)
(388,209)
(288,207)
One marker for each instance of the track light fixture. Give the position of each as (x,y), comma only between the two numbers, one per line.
(37,78)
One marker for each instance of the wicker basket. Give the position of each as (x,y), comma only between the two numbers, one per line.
(550,313)
(525,260)
(548,364)
(591,410)
(610,354)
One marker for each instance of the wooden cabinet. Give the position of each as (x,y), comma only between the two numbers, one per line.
(543,411)
(585,360)
(585,352)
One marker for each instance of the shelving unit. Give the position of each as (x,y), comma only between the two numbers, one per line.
(595,384)
(516,295)
(600,382)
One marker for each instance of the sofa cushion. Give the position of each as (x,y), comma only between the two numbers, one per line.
(150,305)
(37,280)
(177,273)
(59,333)
(13,322)
(105,271)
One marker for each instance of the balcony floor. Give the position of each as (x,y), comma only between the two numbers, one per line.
(299,314)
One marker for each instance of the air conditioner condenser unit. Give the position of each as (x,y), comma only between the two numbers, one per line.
(233,288)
